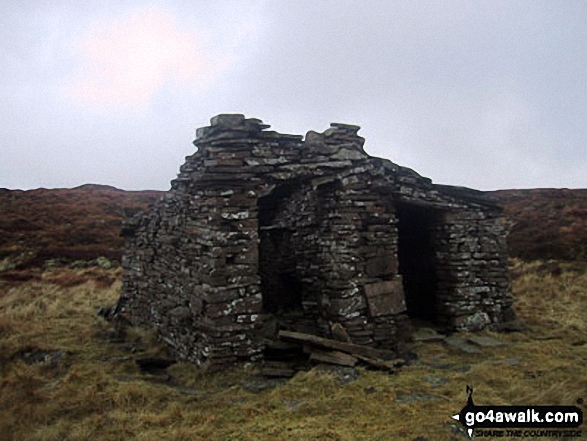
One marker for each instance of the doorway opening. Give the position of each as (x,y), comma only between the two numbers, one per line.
(280,285)
(416,256)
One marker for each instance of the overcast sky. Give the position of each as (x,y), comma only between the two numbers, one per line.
(485,94)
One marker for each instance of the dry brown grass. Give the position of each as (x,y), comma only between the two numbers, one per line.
(552,296)
(96,392)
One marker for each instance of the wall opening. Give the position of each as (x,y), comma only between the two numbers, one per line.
(280,284)
(416,255)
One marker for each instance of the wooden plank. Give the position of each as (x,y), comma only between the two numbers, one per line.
(333,357)
(390,365)
(348,348)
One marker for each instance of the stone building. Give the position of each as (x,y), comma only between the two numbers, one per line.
(261,227)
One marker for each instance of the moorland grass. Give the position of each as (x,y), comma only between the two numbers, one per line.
(96,392)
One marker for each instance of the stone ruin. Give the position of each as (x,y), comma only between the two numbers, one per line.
(267,230)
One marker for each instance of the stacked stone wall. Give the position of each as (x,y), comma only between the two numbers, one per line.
(472,270)
(251,206)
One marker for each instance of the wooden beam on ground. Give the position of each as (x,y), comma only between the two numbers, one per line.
(347,348)
(333,357)
(389,365)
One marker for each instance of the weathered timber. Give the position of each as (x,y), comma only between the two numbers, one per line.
(348,348)
(386,365)
(333,357)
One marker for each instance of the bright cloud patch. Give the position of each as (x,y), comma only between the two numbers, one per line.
(126,61)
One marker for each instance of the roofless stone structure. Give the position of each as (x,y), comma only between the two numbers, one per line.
(261,227)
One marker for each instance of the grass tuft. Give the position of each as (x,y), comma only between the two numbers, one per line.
(95,390)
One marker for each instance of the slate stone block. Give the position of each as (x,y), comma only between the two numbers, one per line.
(385,298)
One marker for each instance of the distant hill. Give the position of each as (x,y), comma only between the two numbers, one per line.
(83,223)
(546,223)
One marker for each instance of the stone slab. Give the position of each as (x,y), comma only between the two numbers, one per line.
(462,345)
(385,298)
(426,334)
(379,266)
(485,342)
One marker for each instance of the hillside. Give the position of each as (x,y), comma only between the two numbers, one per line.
(67,374)
(546,223)
(81,223)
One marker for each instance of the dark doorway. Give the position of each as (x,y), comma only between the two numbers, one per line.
(416,258)
(280,285)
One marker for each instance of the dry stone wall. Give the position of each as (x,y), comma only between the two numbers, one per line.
(310,232)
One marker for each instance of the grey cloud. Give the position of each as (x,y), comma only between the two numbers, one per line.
(488,94)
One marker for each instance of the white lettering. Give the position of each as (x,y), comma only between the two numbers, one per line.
(536,417)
